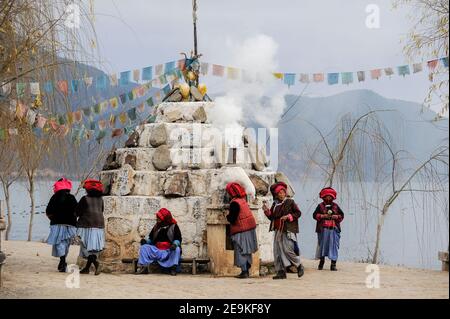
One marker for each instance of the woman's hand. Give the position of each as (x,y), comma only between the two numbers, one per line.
(265,207)
(284,218)
(334,217)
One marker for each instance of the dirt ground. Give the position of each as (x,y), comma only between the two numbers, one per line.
(30,272)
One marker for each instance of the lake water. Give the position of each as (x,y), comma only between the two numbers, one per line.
(413,232)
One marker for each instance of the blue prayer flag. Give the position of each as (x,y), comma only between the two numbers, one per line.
(48,87)
(403,70)
(147,73)
(445,62)
(289,79)
(101,82)
(333,78)
(125,78)
(169,66)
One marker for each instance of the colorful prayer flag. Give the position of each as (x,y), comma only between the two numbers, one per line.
(20,90)
(63,87)
(132,114)
(114,102)
(347,77)
(48,87)
(150,102)
(445,62)
(147,73)
(117,132)
(113,80)
(125,78)
(361,76)
(417,67)
(166,89)
(34,88)
(375,74)
(136,75)
(432,64)
(304,78)
(403,70)
(123,98)
(218,70)
(88,81)
(169,66)
(101,82)
(74,85)
(278,75)
(159,69)
(333,78)
(123,117)
(318,77)
(289,79)
(389,71)
(232,73)
(204,68)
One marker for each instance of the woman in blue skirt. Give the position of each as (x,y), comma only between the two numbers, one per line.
(328,227)
(61,212)
(91,224)
(163,246)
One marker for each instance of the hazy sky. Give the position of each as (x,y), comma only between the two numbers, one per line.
(312,35)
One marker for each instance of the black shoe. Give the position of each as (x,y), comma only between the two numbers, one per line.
(280,275)
(62,264)
(333,266)
(173,271)
(96,265)
(243,275)
(62,267)
(87,268)
(300,271)
(321,263)
(142,271)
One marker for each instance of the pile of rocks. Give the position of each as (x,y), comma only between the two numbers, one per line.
(174,163)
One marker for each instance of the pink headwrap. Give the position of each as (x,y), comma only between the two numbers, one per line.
(61,184)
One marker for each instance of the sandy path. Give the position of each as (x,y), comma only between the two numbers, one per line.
(29,272)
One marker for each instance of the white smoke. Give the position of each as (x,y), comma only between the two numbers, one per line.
(243,99)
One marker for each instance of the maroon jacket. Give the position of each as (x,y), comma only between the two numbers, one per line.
(321,209)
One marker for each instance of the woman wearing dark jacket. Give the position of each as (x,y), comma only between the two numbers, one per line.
(91,224)
(163,245)
(61,212)
(284,215)
(328,227)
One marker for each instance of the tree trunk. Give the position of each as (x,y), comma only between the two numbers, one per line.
(31,193)
(378,239)
(8,209)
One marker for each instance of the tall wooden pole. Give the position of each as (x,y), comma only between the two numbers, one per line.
(194,18)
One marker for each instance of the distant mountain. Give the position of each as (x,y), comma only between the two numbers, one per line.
(411,127)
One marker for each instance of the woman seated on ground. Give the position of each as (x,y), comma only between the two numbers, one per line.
(163,246)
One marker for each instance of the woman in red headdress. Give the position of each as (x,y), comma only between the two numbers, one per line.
(163,245)
(284,215)
(328,227)
(242,229)
(61,212)
(91,224)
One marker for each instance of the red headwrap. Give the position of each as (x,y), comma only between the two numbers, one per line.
(235,190)
(93,184)
(277,187)
(61,184)
(328,191)
(166,216)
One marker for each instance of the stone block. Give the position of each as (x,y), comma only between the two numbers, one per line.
(161,159)
(117,226)
(175,184)
(122,181)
